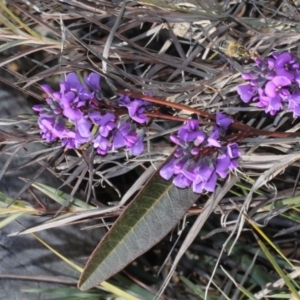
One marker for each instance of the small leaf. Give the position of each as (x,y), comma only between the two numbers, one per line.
(150,216)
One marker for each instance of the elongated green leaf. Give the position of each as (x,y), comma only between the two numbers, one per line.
(61,197)
(151,215)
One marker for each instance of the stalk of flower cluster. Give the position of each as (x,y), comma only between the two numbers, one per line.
(200,159)
(77,118)
(274,83)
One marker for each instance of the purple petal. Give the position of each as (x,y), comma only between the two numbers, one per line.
(124,100)
(83,127)
(270,89)
(189,170)
(210,185)
(105,130)
(107,118)
(167,171)
(181,181)
(222,165)
(133,107)
(283,59)
(131,139)
(282,72)
(118,140)
(65,87)
(95,117)
(47,88)
(93,81)
(73,114)
(198,187)
(223,121)
(280,81)
(233,150)
(67,99)
(203,173)
(73,80)
(138,147)
(38,107)
(84,94)
(271,63)
(176,140)
(246,92)
(192,125)
(69,143)
(213,139)
(248,76)
(275,104)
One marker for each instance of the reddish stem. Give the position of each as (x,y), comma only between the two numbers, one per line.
(174,118)
(247,130)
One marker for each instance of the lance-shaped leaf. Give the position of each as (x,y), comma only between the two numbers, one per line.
(151,215)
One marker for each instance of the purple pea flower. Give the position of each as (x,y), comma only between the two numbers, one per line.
(222,165)
(124,135)
(167,170)
(181,181)
(76,86)
(223,121)
(71,106)
(107,124)
(212,141)
(216,161)
(135,108)
(233,150)
(101,144)
(93,81)
(275,87)
(246,92)
(285,65)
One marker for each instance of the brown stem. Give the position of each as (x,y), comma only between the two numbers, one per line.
(173,118)
(247,130)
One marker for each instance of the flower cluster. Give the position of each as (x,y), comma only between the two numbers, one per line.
(75,116)
(275,83)
(200,158)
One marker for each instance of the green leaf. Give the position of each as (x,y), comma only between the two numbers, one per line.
(61,197)
(151,215)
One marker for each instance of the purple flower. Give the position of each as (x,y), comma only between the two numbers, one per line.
(294,104)
(275,87)
(264,100)
(205,181)
(69,103)
(124,135)
(101,144)
(223,121)
(167,170)
(135,108)
(62,117)
(246,92)
(107,124)
(216,159)
(95,116)
(285,65)
(83,126)
(76,86)
(188,133)
(93,81)
(213,139)
(222,165)
(275,104)
(233,150)
(181,181)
